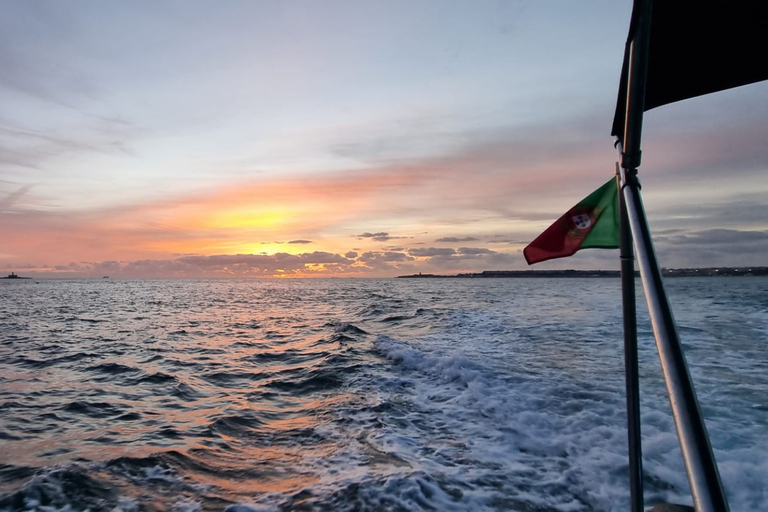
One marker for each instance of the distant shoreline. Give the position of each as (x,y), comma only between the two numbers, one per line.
(13,275)
(671,272)
(569,273)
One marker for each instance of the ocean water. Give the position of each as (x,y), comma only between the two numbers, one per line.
(364,395)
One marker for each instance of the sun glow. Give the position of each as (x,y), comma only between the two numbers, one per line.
(248,217)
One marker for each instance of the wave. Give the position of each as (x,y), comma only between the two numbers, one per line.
(30,362)
(324,380)
(93,409)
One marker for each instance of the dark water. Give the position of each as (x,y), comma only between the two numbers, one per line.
(362,394)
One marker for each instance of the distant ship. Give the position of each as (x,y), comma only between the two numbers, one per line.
(14,276)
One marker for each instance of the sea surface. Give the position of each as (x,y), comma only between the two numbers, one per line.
(364,395)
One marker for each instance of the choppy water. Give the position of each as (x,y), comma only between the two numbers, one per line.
(487,394)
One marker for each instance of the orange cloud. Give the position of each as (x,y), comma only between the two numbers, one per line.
(229,219)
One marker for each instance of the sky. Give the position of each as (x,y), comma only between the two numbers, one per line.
(160,138)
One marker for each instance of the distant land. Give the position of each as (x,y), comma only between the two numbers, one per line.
(666,272)
(13,275)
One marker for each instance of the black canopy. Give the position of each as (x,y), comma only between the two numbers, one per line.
(698,47)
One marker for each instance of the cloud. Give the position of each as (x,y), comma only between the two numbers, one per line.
(714,237)
(464,254)
(710,139)
(740,211)
(222,265)
(474,251)
(389,256)
(453,239)
(265,263)
(8,201)
(33,75)
(384,260)
(473,260)
(379,237)
(510,241)
(431,251)
(300,242)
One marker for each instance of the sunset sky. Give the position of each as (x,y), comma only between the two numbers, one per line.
(164,138)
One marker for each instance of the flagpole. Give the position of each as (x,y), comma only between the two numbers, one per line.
(631,372)
(703,475)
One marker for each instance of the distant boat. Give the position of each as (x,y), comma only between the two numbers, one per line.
(12,275)
(105,277)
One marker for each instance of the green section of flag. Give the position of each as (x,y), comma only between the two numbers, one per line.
(605,232)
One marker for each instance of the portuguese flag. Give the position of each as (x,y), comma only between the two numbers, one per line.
(593,223)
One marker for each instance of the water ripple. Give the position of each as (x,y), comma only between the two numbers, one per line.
(360,395)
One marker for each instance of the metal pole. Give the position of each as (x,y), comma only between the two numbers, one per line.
(703,476)
(629,150)
(629,157)
(631,372)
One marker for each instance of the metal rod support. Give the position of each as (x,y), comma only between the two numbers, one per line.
(703,475)
(631,371)
(629,151)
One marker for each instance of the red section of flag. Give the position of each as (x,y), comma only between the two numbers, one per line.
(560,240)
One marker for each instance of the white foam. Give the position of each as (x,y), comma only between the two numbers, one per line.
(187,505)
(543,442)
(126,505)
(247,508)
(163,474)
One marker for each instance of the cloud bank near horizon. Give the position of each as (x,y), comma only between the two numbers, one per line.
(674,246)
